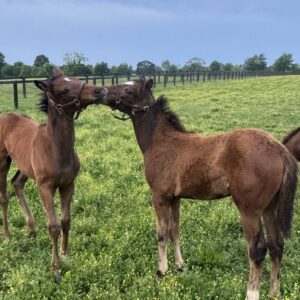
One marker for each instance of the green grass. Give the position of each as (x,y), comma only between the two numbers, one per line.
(113,243)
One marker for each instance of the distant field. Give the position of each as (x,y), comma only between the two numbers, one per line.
(113,242)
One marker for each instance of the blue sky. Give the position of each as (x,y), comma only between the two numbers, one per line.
(129,31)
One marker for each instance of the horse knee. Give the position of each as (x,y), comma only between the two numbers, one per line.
(65,223)
(54,230)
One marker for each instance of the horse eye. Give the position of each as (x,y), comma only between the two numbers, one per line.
(128,91)
(65,91)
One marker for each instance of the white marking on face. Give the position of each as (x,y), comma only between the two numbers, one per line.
(129,83)
(67,79)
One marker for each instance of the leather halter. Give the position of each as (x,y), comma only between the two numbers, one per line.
(60,107)
(134,108)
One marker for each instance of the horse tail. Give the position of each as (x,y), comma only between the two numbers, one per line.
(286,194)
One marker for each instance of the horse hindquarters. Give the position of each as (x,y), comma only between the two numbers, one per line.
(278,220)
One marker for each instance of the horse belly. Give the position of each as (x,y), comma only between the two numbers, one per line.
(197,188)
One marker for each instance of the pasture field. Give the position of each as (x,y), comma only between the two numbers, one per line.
(113,249)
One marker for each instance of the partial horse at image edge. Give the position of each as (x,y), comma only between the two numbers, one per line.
(292,142)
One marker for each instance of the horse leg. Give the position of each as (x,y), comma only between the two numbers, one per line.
(162,209)
(253,231)
(4,167)
(47,194)
(18,182)
(275,245)
(174,231)
(66,195)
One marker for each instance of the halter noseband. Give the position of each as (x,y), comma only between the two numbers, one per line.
(60,107)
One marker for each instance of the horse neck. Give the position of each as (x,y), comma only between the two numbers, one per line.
(151,127)
(62,133)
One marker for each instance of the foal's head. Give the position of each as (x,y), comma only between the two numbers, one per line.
(130,96)
(68,95)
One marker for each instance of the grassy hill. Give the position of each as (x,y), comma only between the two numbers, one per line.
(113,242)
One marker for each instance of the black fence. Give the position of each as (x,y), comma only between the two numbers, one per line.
(159,78)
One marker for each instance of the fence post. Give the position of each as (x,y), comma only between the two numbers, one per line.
(24,87)
(94,80)
(165,79)
(112,80)
(128,76)
(16,100)
(87,78)
(102,79)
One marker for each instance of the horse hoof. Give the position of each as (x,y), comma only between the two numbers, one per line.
(6,238)
(57,277)
(180,268)
(160,274)
(32,234)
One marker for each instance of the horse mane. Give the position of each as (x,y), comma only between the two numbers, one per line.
(163,105)
(43,103)
(290,135)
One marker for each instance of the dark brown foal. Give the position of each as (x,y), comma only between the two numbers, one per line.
(45,153)
(248,164)
(292,142)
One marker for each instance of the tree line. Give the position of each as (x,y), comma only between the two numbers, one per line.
(75,64)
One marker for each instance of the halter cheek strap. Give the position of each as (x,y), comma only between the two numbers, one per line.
(60,107)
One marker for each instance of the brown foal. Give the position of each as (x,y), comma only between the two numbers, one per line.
(248,164)
(292,142)
(45,153)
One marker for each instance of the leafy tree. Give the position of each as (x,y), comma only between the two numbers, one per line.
(74,64)
(284,63)
(195,64)
(145,67)
(74,58)
(255,63)
(228,67)
(12,70)
(77,70)
(2,61)
(26,71)
(41,60)
(44,71)
(168,67)
(9,71)
(101,68)
(237,68)
(215,66)
(121,69)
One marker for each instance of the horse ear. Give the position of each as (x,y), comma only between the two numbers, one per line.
(149,84)
(41,85)
(57,72)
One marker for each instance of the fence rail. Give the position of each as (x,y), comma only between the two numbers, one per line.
(159,78)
